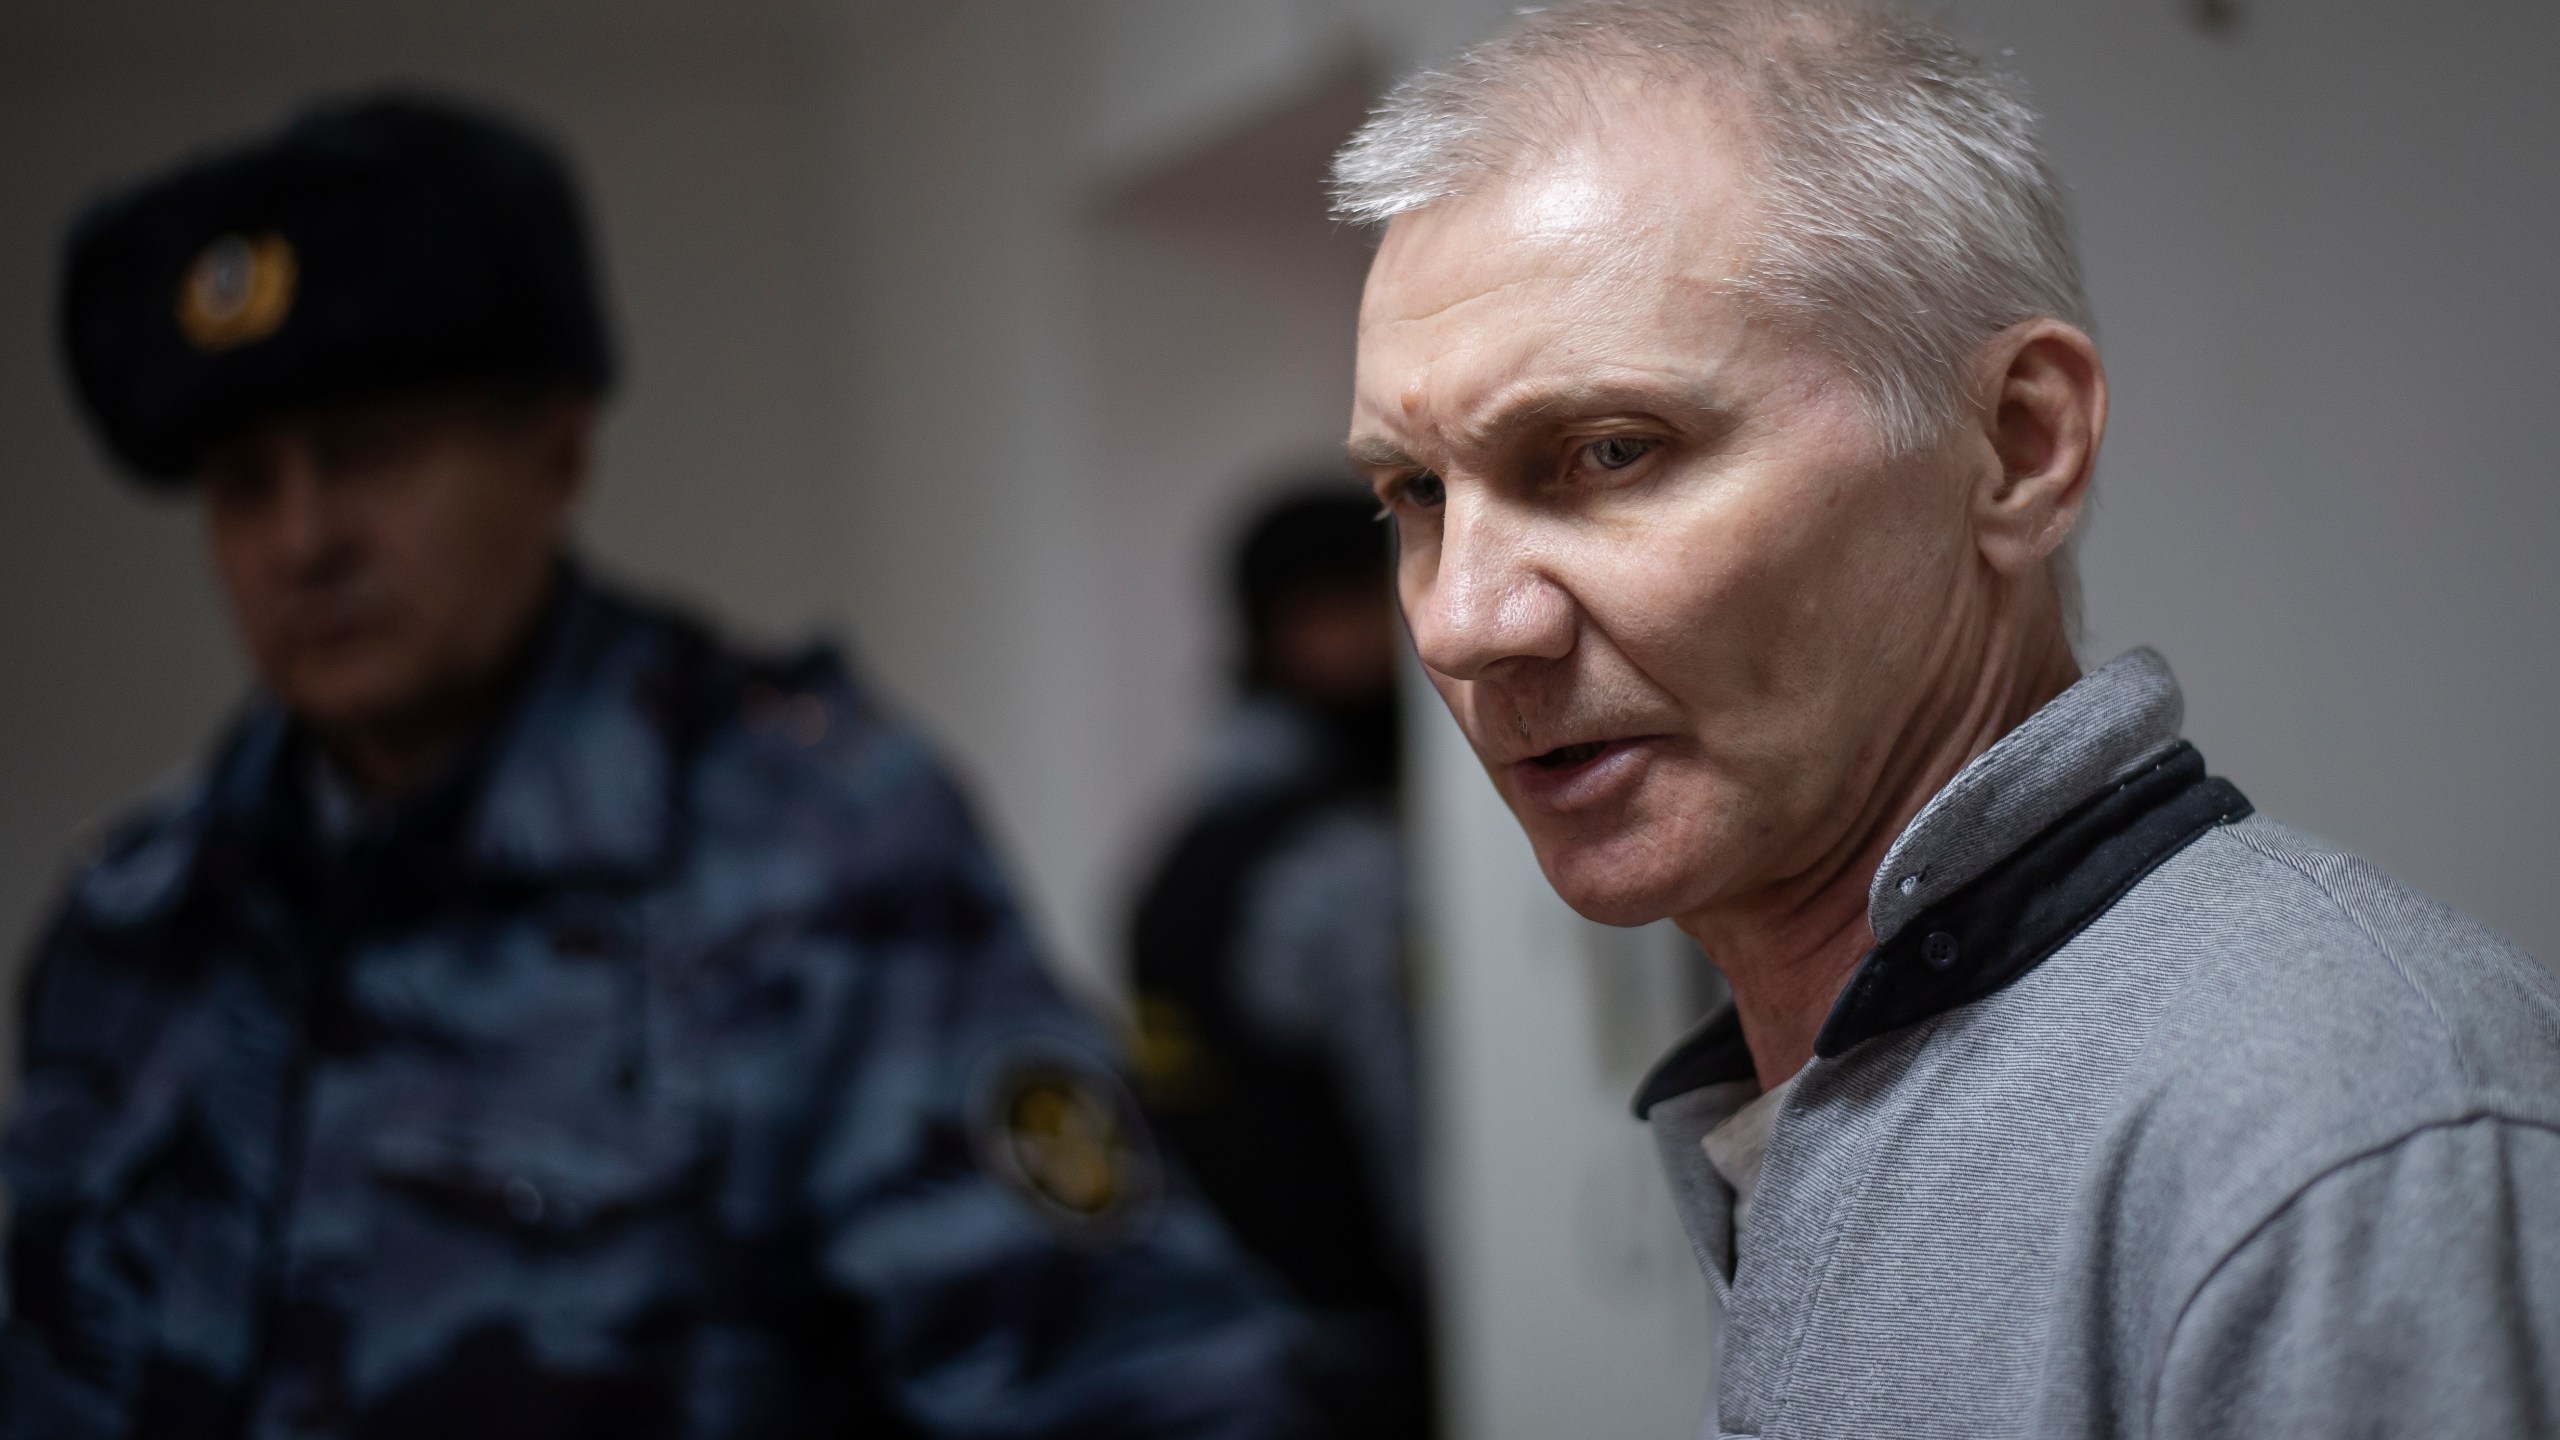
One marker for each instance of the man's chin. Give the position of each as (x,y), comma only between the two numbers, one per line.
(344,696)
(1613,885)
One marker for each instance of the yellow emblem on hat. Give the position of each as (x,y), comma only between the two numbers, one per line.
(238,290)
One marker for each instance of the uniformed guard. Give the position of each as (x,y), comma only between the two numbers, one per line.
(537,1019)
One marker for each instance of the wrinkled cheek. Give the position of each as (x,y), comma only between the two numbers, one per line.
(1692,611)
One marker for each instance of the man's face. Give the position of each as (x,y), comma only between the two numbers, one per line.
(1678,596)
(383,560)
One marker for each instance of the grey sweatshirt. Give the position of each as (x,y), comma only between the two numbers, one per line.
(2147,1117)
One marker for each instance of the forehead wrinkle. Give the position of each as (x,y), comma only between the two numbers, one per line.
(1472,296)
(1441,392)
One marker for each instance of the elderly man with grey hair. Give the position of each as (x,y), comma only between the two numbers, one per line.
(1726,372)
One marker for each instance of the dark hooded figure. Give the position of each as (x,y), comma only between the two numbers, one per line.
(1269,957)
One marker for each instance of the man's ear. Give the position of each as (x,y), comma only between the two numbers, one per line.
(2042,405)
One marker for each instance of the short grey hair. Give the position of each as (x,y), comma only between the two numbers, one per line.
(1905,212)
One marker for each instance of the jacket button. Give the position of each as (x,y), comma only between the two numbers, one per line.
(1939,949)
(525,1202)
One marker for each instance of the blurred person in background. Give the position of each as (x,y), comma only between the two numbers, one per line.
(538,1018)
(1725,366)
(1268,958)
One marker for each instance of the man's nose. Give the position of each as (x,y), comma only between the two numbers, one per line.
(1489,598)
(309,533)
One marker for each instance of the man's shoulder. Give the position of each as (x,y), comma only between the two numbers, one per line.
(133,864)
(113,961)
(801,751)
(136,866)
(2286,1022)
(2314,1011)
(806,798)
(2315,958)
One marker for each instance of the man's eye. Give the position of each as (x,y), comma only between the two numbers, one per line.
(1425,490)
(1617,452)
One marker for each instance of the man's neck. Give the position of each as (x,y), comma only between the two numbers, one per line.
(390,761)
(1788,950)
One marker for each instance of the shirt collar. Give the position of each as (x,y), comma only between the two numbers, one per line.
(585,776)
(2110,723)
(2035,838)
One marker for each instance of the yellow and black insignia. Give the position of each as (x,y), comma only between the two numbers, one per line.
(1064,1134)
(238,290)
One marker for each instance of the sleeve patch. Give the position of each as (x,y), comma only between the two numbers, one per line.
(1065,1135)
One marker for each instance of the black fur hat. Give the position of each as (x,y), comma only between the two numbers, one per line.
(1322,529)
(387,244)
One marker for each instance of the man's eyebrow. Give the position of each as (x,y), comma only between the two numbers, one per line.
(1695,404)
(1377,452)
(1695,401)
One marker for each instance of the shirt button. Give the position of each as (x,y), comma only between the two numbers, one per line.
(1939,949)
(524,1201)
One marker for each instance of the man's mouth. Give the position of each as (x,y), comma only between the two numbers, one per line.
(1565,757)
(1587,772)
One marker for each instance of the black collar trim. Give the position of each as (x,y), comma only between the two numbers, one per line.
(1712,1055)
(1998,927)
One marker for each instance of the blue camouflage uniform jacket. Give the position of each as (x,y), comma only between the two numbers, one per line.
(682,1071)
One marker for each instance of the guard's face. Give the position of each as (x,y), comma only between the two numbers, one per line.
(1333,642)
(1652,555)
(383,561)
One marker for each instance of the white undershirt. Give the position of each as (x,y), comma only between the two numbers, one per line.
(1736,1147)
